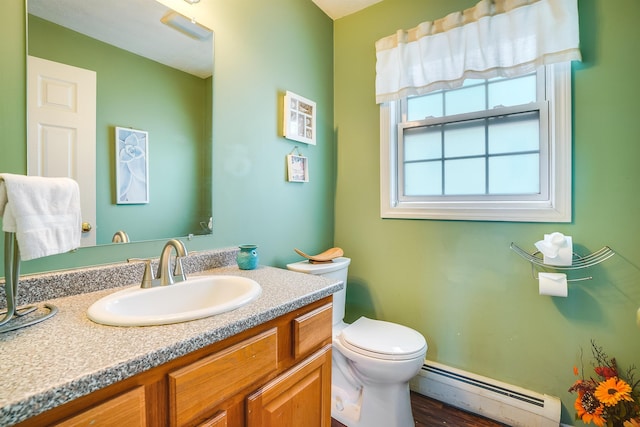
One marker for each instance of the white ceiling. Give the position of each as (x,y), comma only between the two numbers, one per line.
(133,25)
(336,9)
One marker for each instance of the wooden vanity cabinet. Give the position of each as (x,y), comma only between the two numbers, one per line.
(275,374)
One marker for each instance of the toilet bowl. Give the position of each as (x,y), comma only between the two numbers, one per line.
(372,361)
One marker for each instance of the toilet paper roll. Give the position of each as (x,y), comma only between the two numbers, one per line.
(553,284)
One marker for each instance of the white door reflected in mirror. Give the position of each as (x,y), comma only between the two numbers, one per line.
(61,134)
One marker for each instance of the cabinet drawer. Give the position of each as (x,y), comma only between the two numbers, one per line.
(311,329)
(127,409)
(204,384)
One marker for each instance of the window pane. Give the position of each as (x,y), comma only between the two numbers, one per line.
(518,132)
(421,107)
(423,179)
(464,139)
(464,100)
(464,177)
(517,174)
(474,82)
(507,92)
(423,143)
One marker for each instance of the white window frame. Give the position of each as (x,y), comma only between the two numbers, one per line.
(555,207)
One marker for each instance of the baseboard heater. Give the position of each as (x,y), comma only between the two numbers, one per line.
(493,399)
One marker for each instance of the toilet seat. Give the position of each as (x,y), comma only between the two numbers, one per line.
(383,340)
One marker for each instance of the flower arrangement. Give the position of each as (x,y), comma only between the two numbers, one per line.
(609,399)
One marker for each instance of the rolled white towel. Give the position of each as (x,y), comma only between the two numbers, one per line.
(550,246)
(556,248)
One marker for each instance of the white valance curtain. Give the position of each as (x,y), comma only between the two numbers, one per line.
(494,38)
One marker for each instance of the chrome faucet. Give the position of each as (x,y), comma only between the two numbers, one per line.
(165,277)
(121,236)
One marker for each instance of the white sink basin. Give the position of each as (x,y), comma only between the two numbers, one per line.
(192,299)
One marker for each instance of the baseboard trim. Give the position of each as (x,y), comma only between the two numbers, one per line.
(484,396)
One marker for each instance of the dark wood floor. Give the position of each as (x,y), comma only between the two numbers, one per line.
(428,412)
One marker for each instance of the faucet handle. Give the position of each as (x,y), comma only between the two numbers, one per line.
(147,276)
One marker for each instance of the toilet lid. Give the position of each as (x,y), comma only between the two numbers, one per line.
(383,340)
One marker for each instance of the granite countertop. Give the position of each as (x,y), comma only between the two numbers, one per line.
(68,356)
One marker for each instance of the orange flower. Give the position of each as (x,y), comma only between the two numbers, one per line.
(608,400)
(589,409)
(632,423)
(612,391)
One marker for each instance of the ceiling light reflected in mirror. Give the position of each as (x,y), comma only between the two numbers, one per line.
(187,26)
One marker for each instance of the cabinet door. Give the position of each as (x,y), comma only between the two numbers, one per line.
(300,396)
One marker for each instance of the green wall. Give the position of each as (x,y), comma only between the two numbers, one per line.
(262,49)
(135,92)
(12,84)
(458,282)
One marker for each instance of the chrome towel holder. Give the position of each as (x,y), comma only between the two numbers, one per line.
(18,317)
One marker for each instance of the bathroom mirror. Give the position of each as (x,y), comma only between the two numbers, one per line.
(153,75)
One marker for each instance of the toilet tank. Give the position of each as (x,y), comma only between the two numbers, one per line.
(336,269)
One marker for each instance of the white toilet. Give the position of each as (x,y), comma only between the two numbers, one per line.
(373,361)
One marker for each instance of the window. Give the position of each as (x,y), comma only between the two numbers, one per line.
(497,149)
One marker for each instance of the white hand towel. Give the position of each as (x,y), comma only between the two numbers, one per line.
(43,212)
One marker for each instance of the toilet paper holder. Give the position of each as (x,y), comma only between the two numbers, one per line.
(533,273)
(578,262)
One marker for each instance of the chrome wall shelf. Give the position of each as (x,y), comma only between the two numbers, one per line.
(578,261)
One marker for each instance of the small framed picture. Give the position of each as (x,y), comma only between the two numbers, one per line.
(297,168)
(132,166)
(299,118)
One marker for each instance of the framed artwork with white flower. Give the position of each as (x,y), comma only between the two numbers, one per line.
(132,166)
